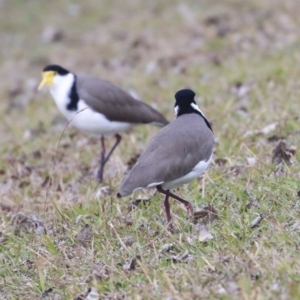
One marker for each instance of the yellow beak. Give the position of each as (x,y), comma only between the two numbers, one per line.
(47,79)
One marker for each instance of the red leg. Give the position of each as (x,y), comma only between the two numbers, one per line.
(118,140)
(168,213)
(104,159)
(188,205)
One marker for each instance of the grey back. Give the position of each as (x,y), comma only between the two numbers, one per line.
(116,104)
(172,153)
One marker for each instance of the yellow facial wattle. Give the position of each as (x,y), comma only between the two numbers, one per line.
(47,79)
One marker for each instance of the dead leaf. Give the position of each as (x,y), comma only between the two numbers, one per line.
(238,170)
(80,297)
(185,257)
(133,204)
(6,187)
(78,219)
(51,34)
(5,207)
(128,240)
(221,162)
(23,184)
(253,203)
(166,247)
(3,239)
(251,161)
(243,110)
(47,292)
(45,182)
(102,192)
(220,24)
(187,13)
(256,221)
(170,62)
(276,287)
(208,213)
(283,153)
(232,288)
(36,154)
(255,276)
(131,264)
(100,273)
(275,138)
(140,42)
(214,20)
(240,89)
(191,239)
(92,294)
(204,235)
(199,215)
(127,221)
(265,130)
(14,92)
(150,67)
(221,290)
(296,226)
(21,221)
(268,128)
(85,235)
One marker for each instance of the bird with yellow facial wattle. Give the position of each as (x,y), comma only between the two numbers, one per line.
(97,107)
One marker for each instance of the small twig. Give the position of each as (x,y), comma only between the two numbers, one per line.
(53,165)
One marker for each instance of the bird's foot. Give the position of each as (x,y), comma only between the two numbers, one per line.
(190,209)
(170,227)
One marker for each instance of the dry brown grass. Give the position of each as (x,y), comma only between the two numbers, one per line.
(60,230)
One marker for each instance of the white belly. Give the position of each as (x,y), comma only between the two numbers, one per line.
(195,173)
(87,120)
(95,123)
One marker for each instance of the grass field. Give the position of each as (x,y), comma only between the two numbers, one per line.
(62,234)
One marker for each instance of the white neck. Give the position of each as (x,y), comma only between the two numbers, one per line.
(193,105)
(176,108)
(196,107)
(60,91)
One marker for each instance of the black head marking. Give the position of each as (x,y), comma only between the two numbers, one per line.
(184,98)
(186,104)
(73,104)
(56,68)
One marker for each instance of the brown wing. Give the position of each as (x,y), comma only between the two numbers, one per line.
(116,104)
(172,153)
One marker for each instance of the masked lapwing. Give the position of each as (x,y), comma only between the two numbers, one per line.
(177,154)
(97,106)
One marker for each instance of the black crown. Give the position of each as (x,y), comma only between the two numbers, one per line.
(185,94)
(56,68)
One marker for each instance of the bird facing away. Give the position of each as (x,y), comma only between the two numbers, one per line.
(97,106)
(177,154)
